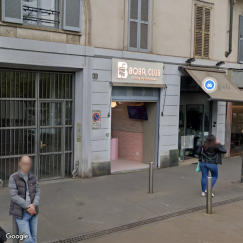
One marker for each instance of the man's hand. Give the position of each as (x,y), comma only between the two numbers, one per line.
(31,214)
(31,209)
(217,142)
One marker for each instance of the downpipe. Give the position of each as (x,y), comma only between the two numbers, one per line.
(227,53)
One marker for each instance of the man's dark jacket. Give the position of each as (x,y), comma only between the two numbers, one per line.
(211,156)
(17,189)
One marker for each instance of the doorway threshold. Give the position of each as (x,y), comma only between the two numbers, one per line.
(128,171)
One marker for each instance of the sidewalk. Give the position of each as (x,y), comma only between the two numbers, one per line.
(72,207)
(224,226)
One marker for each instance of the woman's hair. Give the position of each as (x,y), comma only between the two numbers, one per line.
(210,143)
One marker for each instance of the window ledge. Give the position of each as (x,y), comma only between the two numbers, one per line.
(40,28)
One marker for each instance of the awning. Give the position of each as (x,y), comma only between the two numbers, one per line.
(142,85)
(216,84)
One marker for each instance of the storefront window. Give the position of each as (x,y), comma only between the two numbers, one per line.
(194,127)
(237,130)
(206,121)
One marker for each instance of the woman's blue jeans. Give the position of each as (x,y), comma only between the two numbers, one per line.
(205,168)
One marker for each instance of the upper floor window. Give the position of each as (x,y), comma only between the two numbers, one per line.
(240,49)
(138,28)
(41,13)
(202,31)
(45,13)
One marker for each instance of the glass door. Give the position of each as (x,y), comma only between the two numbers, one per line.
(194,127)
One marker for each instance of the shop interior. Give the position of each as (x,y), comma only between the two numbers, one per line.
(133,135)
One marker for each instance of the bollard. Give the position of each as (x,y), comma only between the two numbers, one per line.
(15,230)
(151,177)
(209,203)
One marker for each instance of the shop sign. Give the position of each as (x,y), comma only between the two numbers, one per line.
(137,72)
(96,119)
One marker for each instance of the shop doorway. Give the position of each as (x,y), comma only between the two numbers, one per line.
(133,135)
(36,119)
(194,123)
(134,128)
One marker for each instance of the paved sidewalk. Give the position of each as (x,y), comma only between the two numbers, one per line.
(72,207)
(224,226)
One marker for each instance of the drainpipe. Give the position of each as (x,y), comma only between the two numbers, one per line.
(227,53)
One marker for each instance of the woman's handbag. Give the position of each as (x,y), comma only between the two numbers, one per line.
(198,169)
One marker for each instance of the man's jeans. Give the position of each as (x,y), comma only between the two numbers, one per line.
(28,226)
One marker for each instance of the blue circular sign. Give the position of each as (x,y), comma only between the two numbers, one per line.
(209,85)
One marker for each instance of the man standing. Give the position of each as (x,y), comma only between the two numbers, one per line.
(25,197)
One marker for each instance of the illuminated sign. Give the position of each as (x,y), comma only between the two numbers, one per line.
(138,72)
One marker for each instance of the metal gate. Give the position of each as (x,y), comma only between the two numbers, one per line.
(36,119)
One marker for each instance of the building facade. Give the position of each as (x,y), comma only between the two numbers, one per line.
(67,103)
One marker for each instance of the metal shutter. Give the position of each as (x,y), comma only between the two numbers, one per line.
(144,25)
(240,50)
(202,31)
(12,11)
(72,15)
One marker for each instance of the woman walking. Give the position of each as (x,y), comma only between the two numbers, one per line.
(209,158)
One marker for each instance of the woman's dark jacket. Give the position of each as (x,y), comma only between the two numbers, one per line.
(211,156)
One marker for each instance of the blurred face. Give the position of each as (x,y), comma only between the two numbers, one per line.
(25,164)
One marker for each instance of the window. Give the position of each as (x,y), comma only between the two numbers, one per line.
(138,29)
(45,13)
(202,31)
(41,13)
(240,49)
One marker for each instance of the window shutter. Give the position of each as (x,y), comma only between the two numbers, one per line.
(240,49)
(72,15)
(202,31)
(12,11)
(144,25)
(133,25)
(198,31)
(207,25)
